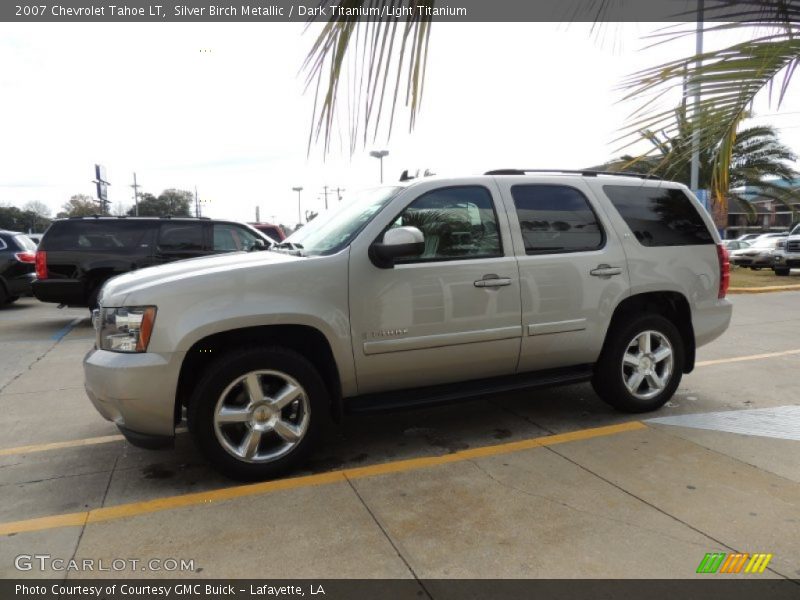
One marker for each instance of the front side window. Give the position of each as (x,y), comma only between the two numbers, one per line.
(659,216)
(180,237)
(232,238)
(556,219)
(224,238)
(457,222)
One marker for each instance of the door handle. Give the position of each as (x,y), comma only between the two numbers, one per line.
(605,271)
(492,280)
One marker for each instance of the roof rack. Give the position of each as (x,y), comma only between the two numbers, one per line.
(583,172)
(132,217)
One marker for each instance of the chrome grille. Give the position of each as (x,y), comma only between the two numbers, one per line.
(793,246)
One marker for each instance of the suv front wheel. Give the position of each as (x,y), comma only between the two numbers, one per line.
(641,364)
(258,412)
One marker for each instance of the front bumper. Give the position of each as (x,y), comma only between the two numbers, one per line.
(757,260)
(787,260)
(135,391)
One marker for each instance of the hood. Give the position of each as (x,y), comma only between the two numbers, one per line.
(117,288)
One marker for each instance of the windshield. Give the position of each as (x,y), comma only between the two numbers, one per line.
(333,230)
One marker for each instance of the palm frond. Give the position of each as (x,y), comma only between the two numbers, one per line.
(370,60)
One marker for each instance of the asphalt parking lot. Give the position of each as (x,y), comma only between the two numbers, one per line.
(551,483)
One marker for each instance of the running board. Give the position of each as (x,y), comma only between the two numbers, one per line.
(466,390)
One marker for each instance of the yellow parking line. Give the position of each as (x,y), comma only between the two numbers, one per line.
(122,511)
(722,361)
(103,439)
(60,445)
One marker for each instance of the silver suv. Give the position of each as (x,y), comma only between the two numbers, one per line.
(426,291)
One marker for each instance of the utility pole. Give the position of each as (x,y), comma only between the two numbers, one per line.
(135,187)
(298,189)
(694,175)
(325,191)
(339,193)
(258,214)
(196,204)
(379,154)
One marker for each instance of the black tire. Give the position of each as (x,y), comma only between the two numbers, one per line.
(781,272)
(313,402)
(609,376)
(93,295)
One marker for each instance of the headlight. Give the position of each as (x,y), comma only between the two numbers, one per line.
(125,329)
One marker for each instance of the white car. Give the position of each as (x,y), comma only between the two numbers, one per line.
(759,255)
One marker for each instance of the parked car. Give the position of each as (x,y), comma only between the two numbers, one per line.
(732,245)
(787,254)
(17,265)
(78,255)
(748,237)
(422,292)
(275,232)
(760,254)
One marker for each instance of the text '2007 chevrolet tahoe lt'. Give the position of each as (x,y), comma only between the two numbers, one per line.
(425,291)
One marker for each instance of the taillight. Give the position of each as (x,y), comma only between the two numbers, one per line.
(41,264)
(724,270)
(25,257)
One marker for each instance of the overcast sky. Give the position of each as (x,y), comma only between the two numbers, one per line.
(222,107)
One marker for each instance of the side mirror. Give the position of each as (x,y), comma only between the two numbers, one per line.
(400,242)
(258,244)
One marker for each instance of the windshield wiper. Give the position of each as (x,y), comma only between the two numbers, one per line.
(290,248)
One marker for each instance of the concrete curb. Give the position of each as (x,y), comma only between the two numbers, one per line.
(764,290)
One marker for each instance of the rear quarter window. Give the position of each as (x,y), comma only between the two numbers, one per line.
(25,243)
(122,237)
(659,216)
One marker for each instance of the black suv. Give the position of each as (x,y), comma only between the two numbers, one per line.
(78,255)
(17,256)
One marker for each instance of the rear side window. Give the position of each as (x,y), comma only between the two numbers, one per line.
(659,216)
(555,219)
(98,236)
(177,237)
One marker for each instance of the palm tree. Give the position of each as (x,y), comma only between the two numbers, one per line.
(370,63)
(730,79)
(758,159)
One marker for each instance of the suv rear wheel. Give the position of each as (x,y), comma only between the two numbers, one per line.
(258,412)
(641,365)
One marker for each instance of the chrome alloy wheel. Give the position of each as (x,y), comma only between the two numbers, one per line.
(647,364)
(261,416)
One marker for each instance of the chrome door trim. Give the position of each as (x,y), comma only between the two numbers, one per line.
(440,340)
(557,327)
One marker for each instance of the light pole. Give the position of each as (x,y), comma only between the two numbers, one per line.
(298,189)
(694,169)
(379,154)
